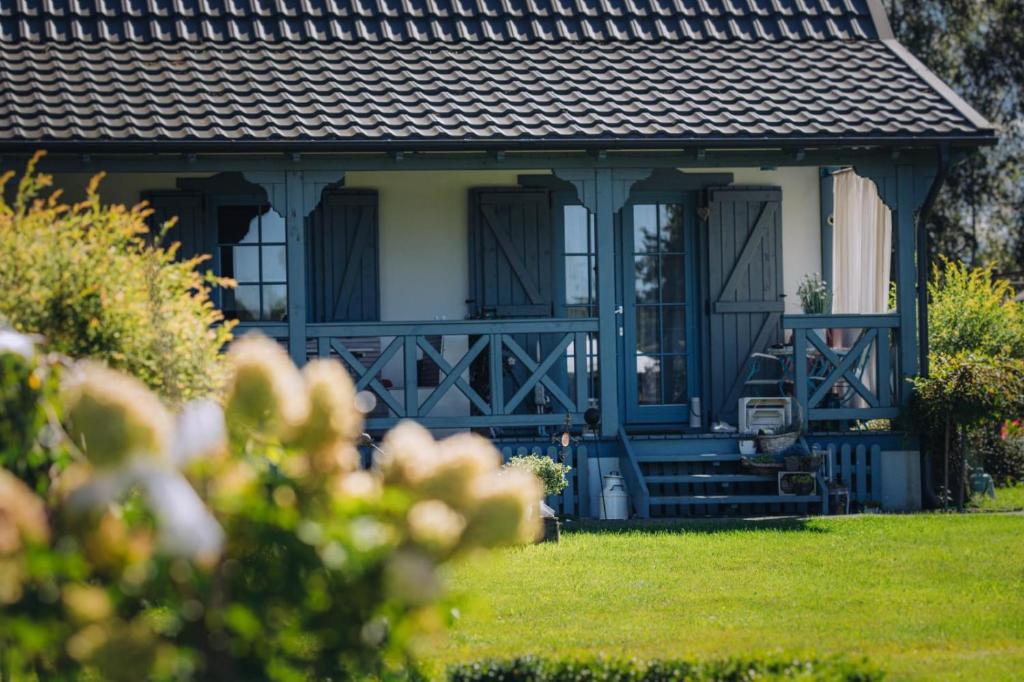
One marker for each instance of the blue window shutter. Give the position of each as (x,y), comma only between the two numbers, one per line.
(342,247)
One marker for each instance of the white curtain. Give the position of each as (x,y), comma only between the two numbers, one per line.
(861,246)
(861,257)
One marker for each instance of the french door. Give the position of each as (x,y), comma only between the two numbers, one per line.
(658,332)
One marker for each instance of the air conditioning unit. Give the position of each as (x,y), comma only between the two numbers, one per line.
(770,414)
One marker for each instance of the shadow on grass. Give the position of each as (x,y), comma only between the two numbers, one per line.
(702,526)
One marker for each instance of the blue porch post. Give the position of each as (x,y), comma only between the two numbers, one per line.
(607,339)
(295,226)
(906,276)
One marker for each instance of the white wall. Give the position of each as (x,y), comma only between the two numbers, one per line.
(424,228)
(119,188)
(424,237)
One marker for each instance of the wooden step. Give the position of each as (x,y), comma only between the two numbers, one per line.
(668,458)
(735,499)
(708,478)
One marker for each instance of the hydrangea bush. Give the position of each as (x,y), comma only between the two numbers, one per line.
(242,542)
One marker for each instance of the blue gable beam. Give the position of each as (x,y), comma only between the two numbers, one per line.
(295,194)
(711,158)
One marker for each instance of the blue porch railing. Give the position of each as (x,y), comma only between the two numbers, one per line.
(854,377)
(500,373)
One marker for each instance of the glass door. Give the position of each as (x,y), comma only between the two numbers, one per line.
(658,317)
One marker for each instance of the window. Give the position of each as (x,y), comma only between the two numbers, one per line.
(252,250)
(580,280)
(659,256)
(581,284)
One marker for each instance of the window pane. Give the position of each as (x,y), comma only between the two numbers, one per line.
(275,301)
(275,267)
(577,280)
(238,224)
(645,228)
(577,219)
(671,217)
(648,380)
(675,379)
(646,286)
(242,302)
(673,279)
(647,336)
(245,263)
(673,321)
(272,226)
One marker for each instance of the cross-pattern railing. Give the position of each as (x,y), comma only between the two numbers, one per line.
(853,377)
(515,372)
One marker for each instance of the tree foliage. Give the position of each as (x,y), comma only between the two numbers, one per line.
(978,49)
(91,279)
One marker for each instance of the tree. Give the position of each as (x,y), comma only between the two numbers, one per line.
(978,49)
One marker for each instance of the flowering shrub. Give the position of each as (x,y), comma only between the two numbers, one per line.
(972,311)
(552,473)
(242,543)
(92,281)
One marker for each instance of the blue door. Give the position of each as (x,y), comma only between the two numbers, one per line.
(658,330)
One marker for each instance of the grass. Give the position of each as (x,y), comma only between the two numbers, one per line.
(1007,499)
(924,596)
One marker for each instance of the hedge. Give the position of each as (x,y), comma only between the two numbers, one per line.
(533,669)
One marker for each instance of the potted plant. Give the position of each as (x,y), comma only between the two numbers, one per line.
(553,475)
(796,483)
(763,463)
(815,298)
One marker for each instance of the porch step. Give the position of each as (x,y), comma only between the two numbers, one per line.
(735,499)
(671,458)
(709,478)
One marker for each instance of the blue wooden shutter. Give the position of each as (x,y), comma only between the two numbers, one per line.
(342,247)
(745,287)
(190,229)
(512,255)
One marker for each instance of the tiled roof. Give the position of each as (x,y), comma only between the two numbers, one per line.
(491,91)
(452,71)
(433,20)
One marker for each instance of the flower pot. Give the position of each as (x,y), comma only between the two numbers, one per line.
(552,530)
(838,500)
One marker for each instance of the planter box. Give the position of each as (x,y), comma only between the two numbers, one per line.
(794,483)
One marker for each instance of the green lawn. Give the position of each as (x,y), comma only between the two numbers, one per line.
(1007,499)
(925,596)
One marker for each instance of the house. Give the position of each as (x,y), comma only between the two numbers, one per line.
(498,214)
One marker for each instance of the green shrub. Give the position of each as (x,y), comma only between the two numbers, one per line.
(552,473)
(965,395)
(87,278)
(531,669)
(971,311)
(969,389)
(1001,456)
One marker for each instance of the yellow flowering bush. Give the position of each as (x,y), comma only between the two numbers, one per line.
(243,542)
(92,280)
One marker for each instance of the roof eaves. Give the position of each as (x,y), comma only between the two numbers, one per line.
(966,110)
(503,143)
